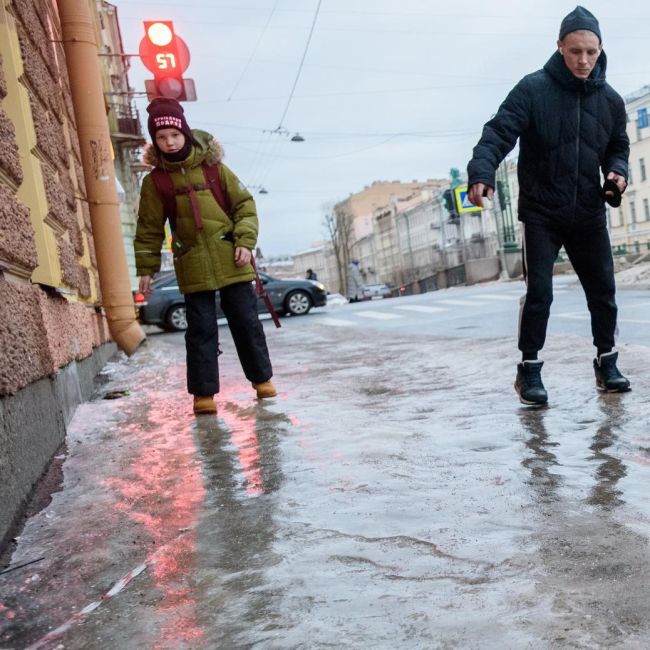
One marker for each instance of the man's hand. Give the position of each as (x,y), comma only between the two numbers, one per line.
(242,256)
(475,194)
(619,180)
(145,285)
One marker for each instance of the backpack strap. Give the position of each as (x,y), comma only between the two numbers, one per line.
(213,180)
(167,193)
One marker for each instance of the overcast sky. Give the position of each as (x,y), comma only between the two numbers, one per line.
(389,90)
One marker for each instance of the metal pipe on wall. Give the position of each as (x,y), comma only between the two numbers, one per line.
(82,62)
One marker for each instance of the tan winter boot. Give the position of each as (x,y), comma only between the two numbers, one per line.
(265,389)
(204,405)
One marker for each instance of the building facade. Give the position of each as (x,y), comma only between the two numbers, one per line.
(630,224)
(321,259)
(124,124)
(53,333)
(368,218)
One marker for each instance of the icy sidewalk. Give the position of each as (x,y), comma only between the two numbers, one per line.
(394,494)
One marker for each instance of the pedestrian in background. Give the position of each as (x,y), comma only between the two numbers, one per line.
(355,282)
(212,247)
(571,127)
(310,275)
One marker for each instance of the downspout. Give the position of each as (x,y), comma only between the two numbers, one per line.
(82,62)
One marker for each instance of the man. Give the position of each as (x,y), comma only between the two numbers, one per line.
(571,126)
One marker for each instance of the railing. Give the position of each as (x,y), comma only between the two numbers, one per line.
(631,249)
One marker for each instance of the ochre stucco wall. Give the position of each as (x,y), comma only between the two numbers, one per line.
(48,277)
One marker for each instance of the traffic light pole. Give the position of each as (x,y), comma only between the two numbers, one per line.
(94,139)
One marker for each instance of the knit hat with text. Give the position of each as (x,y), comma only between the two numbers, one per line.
(580,18)
(166,113)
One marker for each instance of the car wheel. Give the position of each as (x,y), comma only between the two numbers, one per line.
(298,303)
(176,318)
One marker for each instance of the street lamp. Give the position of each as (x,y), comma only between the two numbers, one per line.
(260,188)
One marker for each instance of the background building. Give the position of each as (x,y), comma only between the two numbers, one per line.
(321,259)
(363,227)
(630,224)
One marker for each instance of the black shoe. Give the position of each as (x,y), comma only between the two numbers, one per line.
(608,376)
(529,384)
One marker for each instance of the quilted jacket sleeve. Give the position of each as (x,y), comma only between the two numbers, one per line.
(500,135)
(150,231)
(243,211)
(618,149)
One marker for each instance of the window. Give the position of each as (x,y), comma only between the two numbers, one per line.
(629,175)
(642,167)
(646,209)
(632,212)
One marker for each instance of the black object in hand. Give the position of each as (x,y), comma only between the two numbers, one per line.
(615,199)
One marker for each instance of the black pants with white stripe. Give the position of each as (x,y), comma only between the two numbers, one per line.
(590,253)
(239,305)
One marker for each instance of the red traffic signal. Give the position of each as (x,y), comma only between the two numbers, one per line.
(167,56)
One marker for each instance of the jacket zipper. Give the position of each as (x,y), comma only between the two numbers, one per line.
(201,234)
(575,194)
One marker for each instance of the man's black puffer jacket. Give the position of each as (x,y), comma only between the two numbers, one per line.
(570,130)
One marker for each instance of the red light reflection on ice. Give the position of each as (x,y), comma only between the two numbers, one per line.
(162,491)
(245,438)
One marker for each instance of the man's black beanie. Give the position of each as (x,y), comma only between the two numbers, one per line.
(578,19)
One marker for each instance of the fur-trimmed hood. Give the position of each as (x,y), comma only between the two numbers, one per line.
(206,149)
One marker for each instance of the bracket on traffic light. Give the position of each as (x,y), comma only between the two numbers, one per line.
(166,54)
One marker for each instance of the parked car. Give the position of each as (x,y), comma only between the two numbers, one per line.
(165,306)
(371,291)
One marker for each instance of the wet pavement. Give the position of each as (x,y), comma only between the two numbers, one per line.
(394,495)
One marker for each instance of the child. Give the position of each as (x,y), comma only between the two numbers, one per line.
(212,249)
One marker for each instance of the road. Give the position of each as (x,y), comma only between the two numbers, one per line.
(486,311)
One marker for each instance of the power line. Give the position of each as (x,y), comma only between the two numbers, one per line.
(254,52)
(342,134)
(350,93)
(302,61)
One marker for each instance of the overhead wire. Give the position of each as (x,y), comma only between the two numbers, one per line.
(302,62)
(254,52)
(377,91)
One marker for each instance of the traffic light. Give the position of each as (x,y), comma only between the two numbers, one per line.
(450,203)
(166,54)
(503,194)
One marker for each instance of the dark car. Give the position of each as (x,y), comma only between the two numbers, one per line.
(165,306)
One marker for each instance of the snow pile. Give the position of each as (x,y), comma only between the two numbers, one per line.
(635,275)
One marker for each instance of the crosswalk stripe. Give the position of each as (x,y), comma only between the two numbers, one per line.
(586,316)
(496,296)
(461,303)
(522,291)
(378,315)
(336,322)
(423,309)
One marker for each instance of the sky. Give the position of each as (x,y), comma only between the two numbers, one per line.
(388,89)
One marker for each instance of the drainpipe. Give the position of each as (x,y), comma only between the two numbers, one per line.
(94,138)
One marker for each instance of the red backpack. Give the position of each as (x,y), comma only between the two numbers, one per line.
(168,193)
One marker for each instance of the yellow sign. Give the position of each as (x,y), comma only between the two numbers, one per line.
(462,201)
(167,243)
